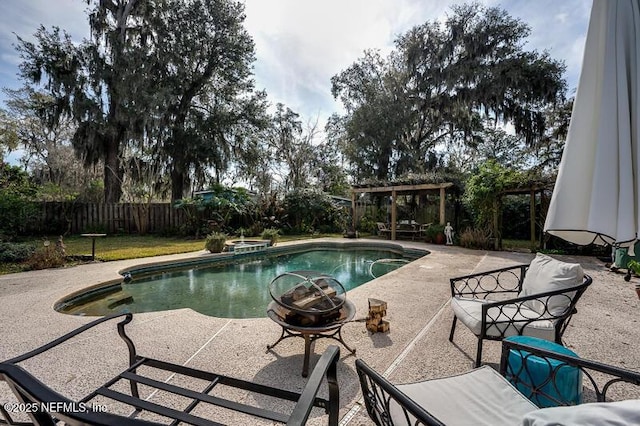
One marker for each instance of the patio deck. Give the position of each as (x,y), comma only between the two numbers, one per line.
(606,329)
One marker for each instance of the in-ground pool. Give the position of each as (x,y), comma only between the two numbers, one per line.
(234,286)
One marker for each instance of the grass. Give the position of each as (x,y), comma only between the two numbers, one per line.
(518,244)
(121,247)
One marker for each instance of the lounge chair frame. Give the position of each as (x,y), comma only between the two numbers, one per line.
(31,391)
(509,281)
(379,394)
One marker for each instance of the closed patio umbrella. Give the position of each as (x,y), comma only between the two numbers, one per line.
(597,193)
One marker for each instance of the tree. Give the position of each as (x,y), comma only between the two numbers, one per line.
(440,86)
(371,130)
(8,134)
(292,148)
(48,152)
(548,152)
(208,90)
(16,200)
(105,84)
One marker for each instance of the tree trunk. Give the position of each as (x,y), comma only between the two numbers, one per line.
(112,173)
(177,182)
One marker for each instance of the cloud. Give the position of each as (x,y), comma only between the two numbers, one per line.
(300,45)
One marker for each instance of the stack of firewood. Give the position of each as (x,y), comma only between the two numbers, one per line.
(377,310)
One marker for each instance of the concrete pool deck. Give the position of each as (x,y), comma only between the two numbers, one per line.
(606,329)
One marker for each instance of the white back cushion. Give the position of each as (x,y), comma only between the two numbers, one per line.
(547,274)
(593,414)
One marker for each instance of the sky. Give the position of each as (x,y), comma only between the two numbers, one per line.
(301,44)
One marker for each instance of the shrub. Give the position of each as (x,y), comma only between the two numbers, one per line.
(16,195)
(270,234)
(307,210)
(367,224)
(15,252)
(215,242)
(475,239)
(46,257)
(255,229)
(432,233)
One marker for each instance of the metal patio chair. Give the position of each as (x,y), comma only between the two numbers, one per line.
(210,394)
(484,396)
(546,291)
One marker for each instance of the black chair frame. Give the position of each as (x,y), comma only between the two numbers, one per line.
(33,393)
(379,394)
(509,281)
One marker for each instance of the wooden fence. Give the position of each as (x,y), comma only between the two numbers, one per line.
(76,218)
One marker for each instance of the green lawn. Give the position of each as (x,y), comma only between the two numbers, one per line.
(120,247)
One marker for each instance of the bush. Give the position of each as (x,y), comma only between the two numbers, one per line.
(16,194)
(270,234)
(367,224)
(46,257)
(15,252)
(475,239)
(215,242)
(307,211)
(433,233)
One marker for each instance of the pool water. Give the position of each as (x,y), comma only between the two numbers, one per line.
(236,290)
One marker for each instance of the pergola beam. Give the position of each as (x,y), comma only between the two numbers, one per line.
(404,188)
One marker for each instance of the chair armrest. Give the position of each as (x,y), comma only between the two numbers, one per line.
(481,285)
(70,335)
(326,367)
(379,394)
(600,377)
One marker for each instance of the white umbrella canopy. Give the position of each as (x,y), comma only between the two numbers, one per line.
(597,193)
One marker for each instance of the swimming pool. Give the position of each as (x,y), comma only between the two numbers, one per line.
(234,286)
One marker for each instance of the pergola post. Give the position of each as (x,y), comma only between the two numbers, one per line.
(442,204)
(394,215)
(353,210)
(532,217)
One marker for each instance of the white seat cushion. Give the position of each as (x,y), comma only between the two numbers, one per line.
(478,397)
(593,414)
(548,274)
(469,312)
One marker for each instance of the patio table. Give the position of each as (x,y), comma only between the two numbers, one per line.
(93,243)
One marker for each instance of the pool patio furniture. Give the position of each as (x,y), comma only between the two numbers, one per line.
(49,407)
(383,230)
(93,243)
(484,396)
(423,228)
(546,291)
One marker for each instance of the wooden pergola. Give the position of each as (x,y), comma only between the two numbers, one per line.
(396,190)
(531,190)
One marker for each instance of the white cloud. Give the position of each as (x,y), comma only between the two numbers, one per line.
(300,45)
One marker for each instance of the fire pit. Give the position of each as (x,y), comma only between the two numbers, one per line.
(310,305)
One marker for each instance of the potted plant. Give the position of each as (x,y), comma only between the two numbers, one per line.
(270,234)
(215,242)
(435,234)
(633,266)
